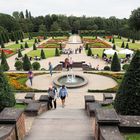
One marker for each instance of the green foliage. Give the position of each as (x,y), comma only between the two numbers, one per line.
(86,46)
(19,53)
(122,46)
(127,46)
(115,65)
(113,41)
(42,55)
(89,52)
(4,63)
(114,47)
(26,45)
(21,47)
(38,40)
(26,63)
(35,41)
(125,66)
(57,52)
(2,45)
(60,48)
(128,40)
(34,47)
(7,98)
(107,68)
(16,41)
(110,40)
(127,99)
(133,40)
(36,66)
(18,65)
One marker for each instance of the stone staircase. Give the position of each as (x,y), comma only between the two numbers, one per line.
(62,124)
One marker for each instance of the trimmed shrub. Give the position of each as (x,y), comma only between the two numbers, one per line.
(35,41)
(36,66)
(4,64)
(2,44)
(115,65)
(26,45)
(127,100)
(113,40)
(86,46)
(110,40)
(19,53)
(122,46)
(128,40)
(125,66)
(26,63)
(127,46)
(38,40)
(7,98)
(60,47)
(57,52)
(89,52)
(114,47)
(107,68)
(42,54)
(21,40)
(21,47)
(34,47)
(18,65)
(16,41)
(133,40)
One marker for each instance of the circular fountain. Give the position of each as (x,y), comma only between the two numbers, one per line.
(70,80)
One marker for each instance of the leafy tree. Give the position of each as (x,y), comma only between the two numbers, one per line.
(57,52)
(7,98)
(114,47)
(34,47)
(128,94)
(89,52)
(122,46)
(42,55)
(26,63)
(36,66)
(18,65)
(4,63)
(26,45)
(115,65)
(127,46)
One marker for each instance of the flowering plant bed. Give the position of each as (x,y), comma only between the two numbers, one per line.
(7,51)
(50,45)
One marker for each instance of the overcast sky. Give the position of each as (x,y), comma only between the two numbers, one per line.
(102,8)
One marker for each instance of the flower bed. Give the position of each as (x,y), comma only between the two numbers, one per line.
(7,51)
(50,45)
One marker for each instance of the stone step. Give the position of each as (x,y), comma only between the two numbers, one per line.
(62,124)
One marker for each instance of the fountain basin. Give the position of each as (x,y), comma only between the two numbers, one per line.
(62,80)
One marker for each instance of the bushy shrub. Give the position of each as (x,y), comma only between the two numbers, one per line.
(18,65)
(107,68)
(125,66)
(36,66)
(26,63)
(19,53)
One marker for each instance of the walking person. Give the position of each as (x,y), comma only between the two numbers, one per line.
(30,76)
(52,93)
(50,68)
(62,94)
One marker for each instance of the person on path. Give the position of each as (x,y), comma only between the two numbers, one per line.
(30,76)
(67,64)
(50,68)
(62,94)
(52,93)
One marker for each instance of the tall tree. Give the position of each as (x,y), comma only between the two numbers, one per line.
(127,99)
(27,14)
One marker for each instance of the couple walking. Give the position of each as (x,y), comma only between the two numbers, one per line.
(53,94)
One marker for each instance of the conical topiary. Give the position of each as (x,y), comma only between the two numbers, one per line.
(16,41)
(57,52)
(110,40)
(122,46)
(42,55)
(4,64)
(89,52)
(113,40)
(35,41)
(26,63)
(2,44)
(26,45)
(133,40)
(128,40)
(86,46)
(114,47)
(19,53)
(127,100)
(127,46)
(34,47)
(7,98)
(115,65)
(60,46)
(21,47)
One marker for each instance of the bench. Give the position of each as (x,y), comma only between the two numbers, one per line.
(106,102)
(30,96)
(91,107)
(44,98)
(88,98)
(107,96)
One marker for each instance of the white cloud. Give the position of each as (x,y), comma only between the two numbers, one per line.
(103,8)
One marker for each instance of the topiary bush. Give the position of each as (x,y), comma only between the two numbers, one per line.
(115,65)
(18,65)
(34,47)
(127,46)
(86,46)
(19,53)
(127,100)
(21,47)
(4,64)
(113,40)
(2,44)
(122,46)
(89,52)
(107,68)
(36,66)
(125,66)
(26,63)
(7,98)
(57,52)
(26,45)
(42,55)
(133,40)
(114,47)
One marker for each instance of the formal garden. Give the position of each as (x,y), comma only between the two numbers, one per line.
(99,65)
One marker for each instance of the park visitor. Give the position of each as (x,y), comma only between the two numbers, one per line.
(50,68)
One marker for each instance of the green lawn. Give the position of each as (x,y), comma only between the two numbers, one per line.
(20,106)
(48,53)
(132,136)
